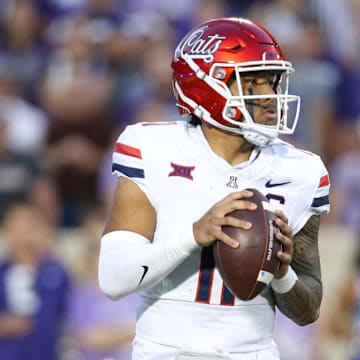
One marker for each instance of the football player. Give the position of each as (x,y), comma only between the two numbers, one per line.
(178,180)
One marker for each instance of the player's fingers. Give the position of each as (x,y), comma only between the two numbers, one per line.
(286,242)
(234,196)
(231,221)
(221,211)
(227,239)
(282,216)
(240,205)
(283,226)
(284,258)
(236,205)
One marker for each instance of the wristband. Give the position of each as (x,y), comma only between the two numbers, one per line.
(286,283)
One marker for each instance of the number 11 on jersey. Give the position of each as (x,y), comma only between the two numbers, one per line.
(205,282)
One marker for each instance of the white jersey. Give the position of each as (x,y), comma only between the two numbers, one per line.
(182,177)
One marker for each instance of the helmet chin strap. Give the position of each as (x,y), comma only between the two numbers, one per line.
(257,138)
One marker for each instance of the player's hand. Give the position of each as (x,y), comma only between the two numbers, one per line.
(208,228)
(285,236)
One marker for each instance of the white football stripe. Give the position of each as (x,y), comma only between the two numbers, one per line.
(127,160)
(265,277)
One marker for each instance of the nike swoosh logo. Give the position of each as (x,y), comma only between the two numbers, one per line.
(269,184)
(146,268)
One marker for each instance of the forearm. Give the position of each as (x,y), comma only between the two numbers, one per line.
(129,263)
(302,302)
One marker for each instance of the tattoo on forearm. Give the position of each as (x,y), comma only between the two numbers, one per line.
(302,303)
(306,258)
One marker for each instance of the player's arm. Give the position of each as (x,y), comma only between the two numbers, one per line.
(302,302)
(131,210)
(129,262)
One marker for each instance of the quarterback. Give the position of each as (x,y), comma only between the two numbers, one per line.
(179,179)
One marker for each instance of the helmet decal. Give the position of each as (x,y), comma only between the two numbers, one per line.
(201,48)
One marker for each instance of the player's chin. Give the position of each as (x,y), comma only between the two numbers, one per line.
(267,118)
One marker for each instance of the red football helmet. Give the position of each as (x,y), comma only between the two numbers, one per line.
(211,53)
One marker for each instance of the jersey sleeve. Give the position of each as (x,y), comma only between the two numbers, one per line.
(127,158)
(320,203)
(317,200)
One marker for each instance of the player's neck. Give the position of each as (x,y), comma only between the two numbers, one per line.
(233,148)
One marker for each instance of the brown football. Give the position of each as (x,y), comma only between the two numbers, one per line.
(249,268)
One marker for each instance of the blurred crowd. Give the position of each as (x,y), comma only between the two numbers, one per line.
(73,73)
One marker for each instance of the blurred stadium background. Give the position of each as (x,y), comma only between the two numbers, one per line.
(73,73)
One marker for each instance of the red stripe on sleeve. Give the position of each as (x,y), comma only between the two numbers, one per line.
(324,181)
(127,150)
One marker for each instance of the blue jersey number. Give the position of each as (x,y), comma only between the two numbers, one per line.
(206,275)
